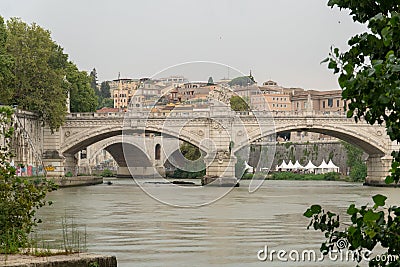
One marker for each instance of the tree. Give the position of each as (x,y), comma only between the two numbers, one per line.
(238,104)
(210,81)
(6,63)
(83,97)
(93,81)
(19,198)
(369,74)
(38,72)
(106,102)
(190,151)
(358,168)
(193,168)
(105,90)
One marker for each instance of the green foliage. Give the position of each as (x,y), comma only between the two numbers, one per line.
(210,81)
(93,81)
(358,172)
(35,74)
(358,168)
(6,65)
(104,94)
(330,176)
(105,102)
(74,240)
(371,227)
(193,155)
(238,104)
(247,176)
(83,97)
(19,198)
(178,173)
(287,144)
(107,173)
(105,90)
(38,72)
(190,151)
(69,174)
(242,81)
(369,73)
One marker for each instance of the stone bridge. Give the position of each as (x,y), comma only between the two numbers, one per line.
(217,131)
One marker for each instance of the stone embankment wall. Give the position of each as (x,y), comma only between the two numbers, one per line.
(72,260)
(77,181)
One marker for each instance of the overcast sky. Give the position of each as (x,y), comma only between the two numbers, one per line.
(282,40)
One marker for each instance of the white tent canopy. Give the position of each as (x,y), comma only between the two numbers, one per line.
(323,168)
(283,166)
(332,167)
(290,165)
(298,166)
(310,167)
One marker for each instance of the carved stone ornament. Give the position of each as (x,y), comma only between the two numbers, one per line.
(222,155)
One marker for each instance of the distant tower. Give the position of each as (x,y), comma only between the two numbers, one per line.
(251,77)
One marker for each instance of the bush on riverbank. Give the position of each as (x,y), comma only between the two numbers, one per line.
(181,174)
(249,176)
(19,197)
(107,173)
(330,176)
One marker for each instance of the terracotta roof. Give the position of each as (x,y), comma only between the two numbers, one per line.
(107,110)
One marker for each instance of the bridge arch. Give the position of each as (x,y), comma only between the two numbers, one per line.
(72,144)
(377,146)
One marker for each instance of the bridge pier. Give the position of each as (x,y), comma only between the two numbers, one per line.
(221,169)
(377,169)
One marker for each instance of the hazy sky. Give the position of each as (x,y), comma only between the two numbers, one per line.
(282,40)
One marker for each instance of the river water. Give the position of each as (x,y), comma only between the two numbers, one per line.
(121,220)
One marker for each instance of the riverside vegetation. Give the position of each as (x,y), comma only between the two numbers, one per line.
(369,74)
(20,198)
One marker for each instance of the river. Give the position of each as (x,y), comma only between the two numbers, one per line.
(120,219)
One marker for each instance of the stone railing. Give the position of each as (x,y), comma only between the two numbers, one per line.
(206,114)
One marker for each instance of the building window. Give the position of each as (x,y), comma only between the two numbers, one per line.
(323,104)
(330,102)
(338,103)
(157,152)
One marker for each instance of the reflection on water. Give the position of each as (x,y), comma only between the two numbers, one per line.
(122,220)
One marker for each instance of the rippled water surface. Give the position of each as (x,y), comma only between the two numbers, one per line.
(121,220)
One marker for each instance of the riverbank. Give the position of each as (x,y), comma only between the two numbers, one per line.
(290,176)
(70,260)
